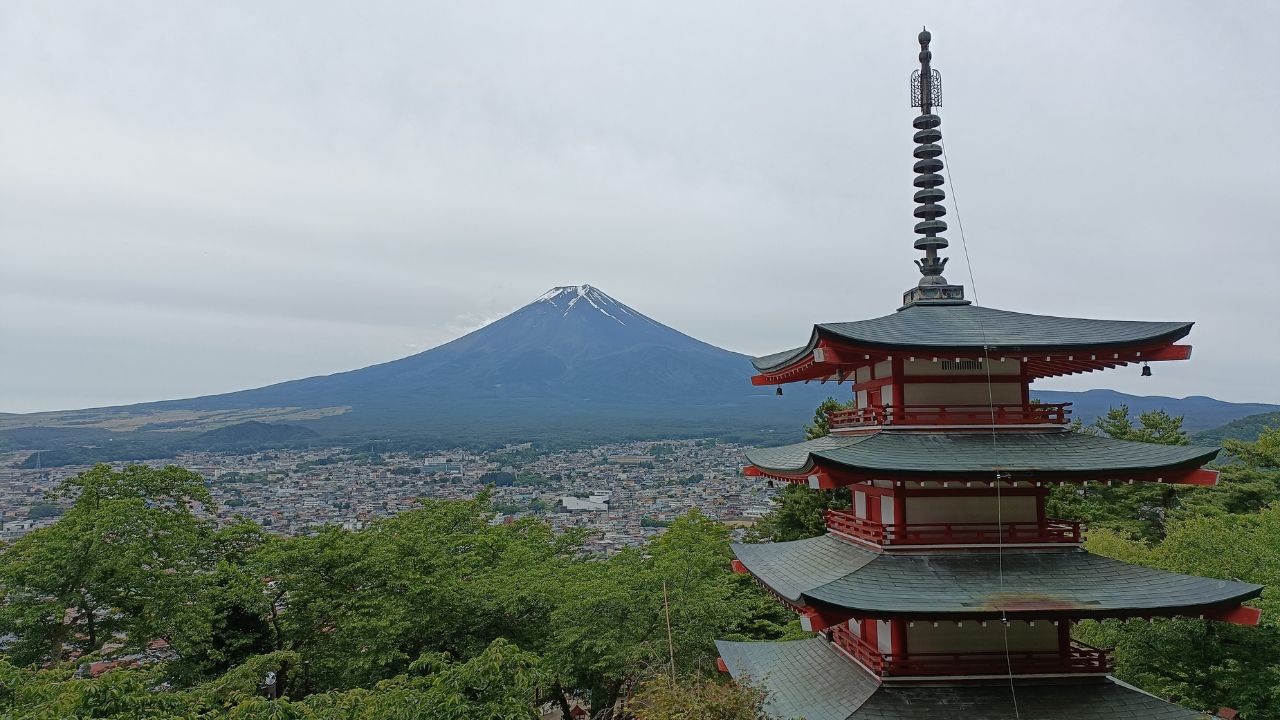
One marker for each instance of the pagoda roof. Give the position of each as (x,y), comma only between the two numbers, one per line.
(813,680)
(828,571)
(902,452)
(977,328)
(805,678)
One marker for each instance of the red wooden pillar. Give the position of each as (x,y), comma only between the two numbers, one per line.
(900,507)
(898,641)
(898,370)
(1064,638)
(1042,521)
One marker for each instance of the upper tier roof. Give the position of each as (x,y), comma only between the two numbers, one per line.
(959,452)
(829,571)
(971,327)
(811,679)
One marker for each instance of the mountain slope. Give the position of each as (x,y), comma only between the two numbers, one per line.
(575,360)
(573,343)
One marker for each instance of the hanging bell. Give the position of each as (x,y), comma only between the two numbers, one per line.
(779,392)
(1146,370)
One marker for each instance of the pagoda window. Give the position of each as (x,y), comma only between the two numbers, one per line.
(884,636)
(972,637)
(962,393)
(860,504)
(972,509)
(887,514)
(883,369)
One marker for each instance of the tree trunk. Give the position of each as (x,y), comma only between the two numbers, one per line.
(275,625)
(563,700)
(91,627)
(281,677)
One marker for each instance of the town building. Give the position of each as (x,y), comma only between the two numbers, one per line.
(945,590)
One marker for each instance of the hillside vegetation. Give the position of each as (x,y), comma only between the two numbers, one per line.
(439,613)
(437,609)
(1245,428)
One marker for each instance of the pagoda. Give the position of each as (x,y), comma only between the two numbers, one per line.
(945,591)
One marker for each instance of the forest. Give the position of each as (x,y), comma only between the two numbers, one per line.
(135,605)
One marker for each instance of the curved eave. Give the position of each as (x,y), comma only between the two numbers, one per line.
(1051,345)
(1052,456)
(841,579)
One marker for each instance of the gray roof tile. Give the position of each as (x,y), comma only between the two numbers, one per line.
(1093,701)
(809,679)
(973,327)
(804,678)
(957,452)
(832,571)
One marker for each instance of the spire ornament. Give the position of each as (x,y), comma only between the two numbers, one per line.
(926,94)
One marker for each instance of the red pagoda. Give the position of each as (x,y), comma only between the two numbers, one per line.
(945,591)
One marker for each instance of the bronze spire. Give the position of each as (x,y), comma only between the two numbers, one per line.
(926,94)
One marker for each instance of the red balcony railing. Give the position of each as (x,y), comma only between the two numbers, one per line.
(1052,531)
(1034,414)
(1076,658)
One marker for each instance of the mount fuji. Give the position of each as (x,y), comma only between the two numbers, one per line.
(573,344)
(573,364)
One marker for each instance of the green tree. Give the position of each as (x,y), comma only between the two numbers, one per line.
(611,629)
(1198,663)
(123,560)
(1140,509)
(233,626)
(500,683)
(1231,531)
(1153,426)
(821,424)
(697,697)
(361,606)
(799,513)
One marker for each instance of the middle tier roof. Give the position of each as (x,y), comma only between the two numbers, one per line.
(831,572)
(913,452)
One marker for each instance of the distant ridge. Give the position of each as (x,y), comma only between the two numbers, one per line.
(1201,412)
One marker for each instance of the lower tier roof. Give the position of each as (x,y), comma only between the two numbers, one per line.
(830,572)
(812,680)
(913,452)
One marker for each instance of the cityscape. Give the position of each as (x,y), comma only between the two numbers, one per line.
(621,493)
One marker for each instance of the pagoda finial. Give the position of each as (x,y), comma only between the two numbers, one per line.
(926,94)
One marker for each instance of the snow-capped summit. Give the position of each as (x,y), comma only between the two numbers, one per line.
(568,297)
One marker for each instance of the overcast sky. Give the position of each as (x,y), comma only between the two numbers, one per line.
(201,197)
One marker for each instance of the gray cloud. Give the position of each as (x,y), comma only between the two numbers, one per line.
(202,197)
